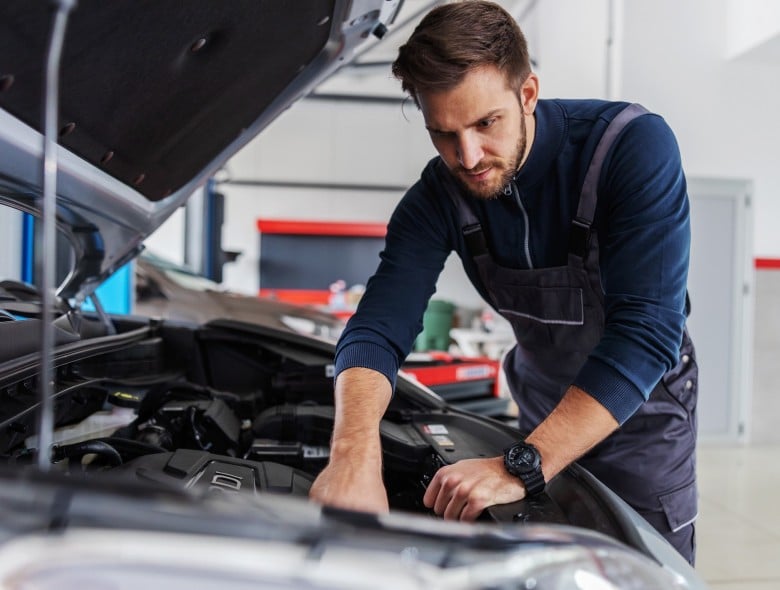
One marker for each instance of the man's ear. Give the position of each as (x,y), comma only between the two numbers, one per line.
(529,94)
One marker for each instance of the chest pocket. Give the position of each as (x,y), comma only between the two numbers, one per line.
(551,310)
(551,306)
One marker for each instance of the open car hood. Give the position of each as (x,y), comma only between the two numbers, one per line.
(155,96)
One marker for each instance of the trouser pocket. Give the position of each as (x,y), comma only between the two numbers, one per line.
(675,521)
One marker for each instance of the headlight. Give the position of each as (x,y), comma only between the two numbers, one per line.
(576,568)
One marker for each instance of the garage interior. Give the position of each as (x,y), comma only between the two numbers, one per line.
(339,160)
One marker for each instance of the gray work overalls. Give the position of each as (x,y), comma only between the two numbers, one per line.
(558,318)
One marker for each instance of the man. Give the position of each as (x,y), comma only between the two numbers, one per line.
(572,221)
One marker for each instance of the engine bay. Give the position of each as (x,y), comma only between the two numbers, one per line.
(226,410)
(231,408)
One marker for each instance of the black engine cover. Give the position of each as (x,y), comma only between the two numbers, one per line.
(219,474)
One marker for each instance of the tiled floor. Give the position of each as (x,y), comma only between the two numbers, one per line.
(738,529)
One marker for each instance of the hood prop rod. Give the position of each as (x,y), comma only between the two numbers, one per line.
(48,257)
(101,313)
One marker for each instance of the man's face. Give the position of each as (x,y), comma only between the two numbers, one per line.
(479,130)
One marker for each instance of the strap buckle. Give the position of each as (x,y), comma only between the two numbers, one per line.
(475,239)
(579,237)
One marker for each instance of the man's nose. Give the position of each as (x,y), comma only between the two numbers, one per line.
(469,151)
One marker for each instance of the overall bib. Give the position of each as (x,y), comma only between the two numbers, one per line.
(558,318)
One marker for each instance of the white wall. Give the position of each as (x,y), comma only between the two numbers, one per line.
(722,110)
(570,47)
(753,28)
(168,241)
(766,344)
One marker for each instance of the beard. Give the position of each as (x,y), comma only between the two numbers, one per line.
(493,189)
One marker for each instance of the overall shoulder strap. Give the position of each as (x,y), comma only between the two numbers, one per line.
(469,224)
(579,236)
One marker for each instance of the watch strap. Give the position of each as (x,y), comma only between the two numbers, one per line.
(533,482)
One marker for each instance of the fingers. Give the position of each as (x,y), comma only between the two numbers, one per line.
(454,508)
(441,489)
(450,495)
(432,493)
(447,492)
(463,490)
(473,509)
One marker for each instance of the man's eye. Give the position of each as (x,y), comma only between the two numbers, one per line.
(485,123)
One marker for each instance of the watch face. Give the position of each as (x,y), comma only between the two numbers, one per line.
(524,457)
(527,457)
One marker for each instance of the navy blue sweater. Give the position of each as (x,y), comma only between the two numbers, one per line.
(642,223)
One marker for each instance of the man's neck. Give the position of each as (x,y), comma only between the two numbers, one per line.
(530,127)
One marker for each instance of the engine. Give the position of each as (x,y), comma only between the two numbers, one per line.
(186,435)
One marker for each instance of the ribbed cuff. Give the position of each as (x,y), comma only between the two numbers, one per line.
(610,388)
(368,356)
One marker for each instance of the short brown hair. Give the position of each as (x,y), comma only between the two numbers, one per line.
(455,38)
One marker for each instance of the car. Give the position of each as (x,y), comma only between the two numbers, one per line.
(148,452)
(173,291)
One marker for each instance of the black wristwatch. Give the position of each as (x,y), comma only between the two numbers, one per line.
(524,462)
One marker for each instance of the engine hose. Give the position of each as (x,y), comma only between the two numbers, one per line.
(87,447)
(191,415)
(132,448)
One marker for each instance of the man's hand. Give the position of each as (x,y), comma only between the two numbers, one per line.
(353,477)
(353,485)
(463,490)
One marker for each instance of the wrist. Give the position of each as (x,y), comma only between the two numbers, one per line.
(361,447)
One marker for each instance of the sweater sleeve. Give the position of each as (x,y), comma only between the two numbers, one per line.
(382,331)
(644,254)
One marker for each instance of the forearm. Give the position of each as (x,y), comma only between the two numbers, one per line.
(353,477)
(362,396)
(576,425)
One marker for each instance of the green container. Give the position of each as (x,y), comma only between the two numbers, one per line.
(437,322)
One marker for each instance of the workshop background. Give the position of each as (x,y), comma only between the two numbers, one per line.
(711,68)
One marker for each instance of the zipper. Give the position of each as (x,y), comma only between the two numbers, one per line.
(511,188)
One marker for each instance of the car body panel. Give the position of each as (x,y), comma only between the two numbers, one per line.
(167,290)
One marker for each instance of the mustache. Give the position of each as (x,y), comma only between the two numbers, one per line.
(480,167)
